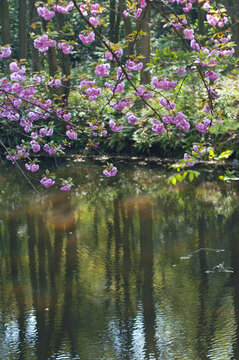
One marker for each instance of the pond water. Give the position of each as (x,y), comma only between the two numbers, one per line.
(114,271)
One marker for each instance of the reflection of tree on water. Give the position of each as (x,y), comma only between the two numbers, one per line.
(146,267)
(203,336)
(233,225)
(18,285)
(92,281)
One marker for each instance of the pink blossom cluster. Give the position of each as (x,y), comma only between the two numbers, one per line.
(51,149)
(132,119)
(64,9)
(203,126)
(21,152)
(117,88)
(5,52)
(120,104)
(98,130)
(46,131)
(211,75)
(47,182)
(55,83)
(131,65)
(65,186)
(191,161)
(114,126)
(143,93)
(43,43)
(163,83)
(91,91)
(66,48)
(158,127)
(87,39)
(166,103)
(178,24)
(32,167)
(179,120)
(116,54)
(45,13)
(71,134)
(110,171)
(216,19)
(102,70)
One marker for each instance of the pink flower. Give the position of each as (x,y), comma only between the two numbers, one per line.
(131,65)
(114,126)
(142,3)
(132,119)
(94,21)
(43,43)
(45,13)
(35,146)
(212,20)
(138,13)
(203,126)
(66,49)
(158,127)
(88,38)
(111,171)
(141,91)
(163,83)
(5,52)
(14,66)
(125,14)
(211,75)
(166,103)
(102,70)
(71,134)
(65,187)
(47,182)
(55,82)
(188,7)
(32,167)
(181,70)
(189,34)
(64,9)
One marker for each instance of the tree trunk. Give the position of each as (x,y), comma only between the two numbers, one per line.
(36,59)
(22,29)
(143,44)
(5,23)
(127,31)
(114,20)
(65,62)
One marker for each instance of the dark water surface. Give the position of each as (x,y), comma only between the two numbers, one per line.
(102,273)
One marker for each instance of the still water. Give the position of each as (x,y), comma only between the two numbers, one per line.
(111,270)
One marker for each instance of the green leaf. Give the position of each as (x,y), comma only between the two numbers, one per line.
(191,176)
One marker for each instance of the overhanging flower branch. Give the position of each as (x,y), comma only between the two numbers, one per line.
(27,106)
